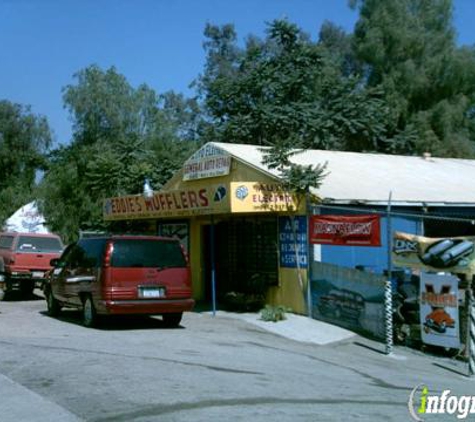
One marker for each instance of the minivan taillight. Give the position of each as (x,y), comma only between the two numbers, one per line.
(183,251)
(108,254)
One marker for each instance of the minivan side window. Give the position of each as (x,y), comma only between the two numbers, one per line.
(147,253)
(93,252)
(6,242)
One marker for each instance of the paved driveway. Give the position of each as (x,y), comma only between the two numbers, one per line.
(209,369)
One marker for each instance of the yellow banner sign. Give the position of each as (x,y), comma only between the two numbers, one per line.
(261,197)
(175,203)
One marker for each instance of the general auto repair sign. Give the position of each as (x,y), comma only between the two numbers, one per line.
(361,230)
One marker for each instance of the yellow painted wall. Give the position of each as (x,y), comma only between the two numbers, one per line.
(289,293)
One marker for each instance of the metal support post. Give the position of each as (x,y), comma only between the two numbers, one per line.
(213,266)
(388,311)
(388,294)
(471,336)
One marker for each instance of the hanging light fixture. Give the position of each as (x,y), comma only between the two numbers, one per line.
(147,189)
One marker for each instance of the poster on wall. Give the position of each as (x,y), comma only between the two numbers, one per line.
(344,230)
(177,230)
(439,312)
(293,243)
(455,255)
(348,298)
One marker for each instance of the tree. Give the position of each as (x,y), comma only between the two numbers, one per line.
(287,87)
(24,141)
(408,49)
(121,135)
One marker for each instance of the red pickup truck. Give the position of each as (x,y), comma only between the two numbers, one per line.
(24,260)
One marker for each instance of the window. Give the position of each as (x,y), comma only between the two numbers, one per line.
(6,242)
(39,244)
(147,253)
(93,252)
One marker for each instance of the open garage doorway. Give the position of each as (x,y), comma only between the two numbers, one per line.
(246,256)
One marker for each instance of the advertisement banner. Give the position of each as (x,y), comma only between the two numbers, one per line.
(261,197)
(173,203)
(439,310)
(455,255)
(209,161)
(293,237)
(360,230)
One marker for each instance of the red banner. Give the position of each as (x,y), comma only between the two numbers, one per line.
(361,230)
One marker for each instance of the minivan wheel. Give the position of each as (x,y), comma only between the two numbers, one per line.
(89,315)
(54,307)
(172,320)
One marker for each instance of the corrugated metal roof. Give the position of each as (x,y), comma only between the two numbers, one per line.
(369,178)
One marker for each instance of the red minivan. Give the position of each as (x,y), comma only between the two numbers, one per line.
(119,275)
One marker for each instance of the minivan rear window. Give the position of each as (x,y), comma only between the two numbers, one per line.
(39,244)
(134,253)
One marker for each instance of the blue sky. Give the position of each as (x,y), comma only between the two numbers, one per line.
(157,42)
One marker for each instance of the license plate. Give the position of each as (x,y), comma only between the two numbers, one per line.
(37,274)
(151,292)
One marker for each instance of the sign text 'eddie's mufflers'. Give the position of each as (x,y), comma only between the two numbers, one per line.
(179,202)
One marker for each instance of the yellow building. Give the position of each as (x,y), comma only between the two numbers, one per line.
(236,222)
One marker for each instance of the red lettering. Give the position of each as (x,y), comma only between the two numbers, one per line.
(162,200)
(177,203)
(130,204)
(193,199)
(114,209)
(139,205)
(203,198)
(184,199)
(169,201)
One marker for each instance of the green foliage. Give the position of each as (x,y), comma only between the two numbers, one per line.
(408,50)
(287,89)
(274,313)
(121,136)
(24,140)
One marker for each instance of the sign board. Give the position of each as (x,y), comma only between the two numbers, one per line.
(209,161)
(292,239)
(211,199)
(361,230)
(261,197)
(455,255)
(439,312)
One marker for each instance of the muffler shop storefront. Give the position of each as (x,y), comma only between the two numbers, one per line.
(231,218)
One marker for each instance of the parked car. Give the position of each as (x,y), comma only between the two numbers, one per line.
(25,259)
(118,275)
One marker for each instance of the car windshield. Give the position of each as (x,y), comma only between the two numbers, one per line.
(147,253)
(39,244)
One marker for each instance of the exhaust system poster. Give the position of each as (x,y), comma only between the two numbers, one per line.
(439,310)
(455,255)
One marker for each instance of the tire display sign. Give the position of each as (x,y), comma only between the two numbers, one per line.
(455,255)
(361,230)
(439,310)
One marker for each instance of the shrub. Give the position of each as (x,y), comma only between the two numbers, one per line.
(274,313)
